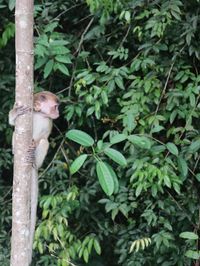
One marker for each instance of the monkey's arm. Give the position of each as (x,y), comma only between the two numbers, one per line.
(11,117)
(13,114)
(17,111)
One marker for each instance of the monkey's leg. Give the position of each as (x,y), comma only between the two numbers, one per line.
(33,216)
(30,159)
(30,156)
(41,152)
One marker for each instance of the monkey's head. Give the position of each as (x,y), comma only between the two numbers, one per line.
(47,104)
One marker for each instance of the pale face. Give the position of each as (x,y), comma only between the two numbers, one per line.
(50,108)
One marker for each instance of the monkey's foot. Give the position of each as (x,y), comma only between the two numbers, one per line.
(30,156)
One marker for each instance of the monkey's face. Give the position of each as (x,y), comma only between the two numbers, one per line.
(50,108)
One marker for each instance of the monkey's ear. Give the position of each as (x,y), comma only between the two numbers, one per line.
(37,107)
(42,98)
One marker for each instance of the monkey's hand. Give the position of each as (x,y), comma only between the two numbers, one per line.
(17,111)
(30,156)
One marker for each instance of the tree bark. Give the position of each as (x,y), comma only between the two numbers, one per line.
(23,134)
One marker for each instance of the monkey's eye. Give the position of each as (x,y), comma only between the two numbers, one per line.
(56,107)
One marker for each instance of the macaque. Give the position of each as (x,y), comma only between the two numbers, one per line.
(45,109)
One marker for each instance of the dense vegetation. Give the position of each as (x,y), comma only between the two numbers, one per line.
(127,72)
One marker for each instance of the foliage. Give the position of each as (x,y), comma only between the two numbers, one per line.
(120,185)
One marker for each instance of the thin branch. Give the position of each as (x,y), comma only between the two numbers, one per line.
(196,163)
(166,82)
(81,20)
(49,165)
(83,35)
(65,11)
(64,155)
(164,89)
(61,91)
(6,194)
(181,208)
(77,52)
(125,36)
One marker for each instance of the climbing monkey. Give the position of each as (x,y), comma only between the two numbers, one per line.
(45,109)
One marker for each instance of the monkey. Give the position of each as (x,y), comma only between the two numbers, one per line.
(45,109)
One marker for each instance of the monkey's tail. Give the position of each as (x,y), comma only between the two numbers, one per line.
(34,202)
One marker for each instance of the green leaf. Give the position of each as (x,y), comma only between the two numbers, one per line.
(189,235)
(90,244)
(127,16)
(51,26)
(140,141)
(63,59)
(118,138)
(58,42)
(138,190)
(172,148)
(119,82)
(124,209)
(40,247)
(104,97)
(157,149)
(48,68)
(105,178)
(40,62)
(41,50)
(97,246)
(80,252)
(80,137)
(59,50)
(47,203)
(156,129)
(167,181)
(11,4)
(195,146)
(183,167)
(63,69)
(198,177)
(76,165)
(99,145)
(176,187)
(85,255)
(195,255)
(116,156)
(115,179)
(90,111)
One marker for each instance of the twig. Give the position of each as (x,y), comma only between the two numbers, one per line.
(49,165)
(6,194)
(196,163)
(65,11)
(166,82)
(181,208)
(63,90)
(64,154)
(83,35)
(164,89)
(81,20)
(77,52)
(125,36)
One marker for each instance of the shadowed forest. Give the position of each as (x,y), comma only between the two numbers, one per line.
(121,181)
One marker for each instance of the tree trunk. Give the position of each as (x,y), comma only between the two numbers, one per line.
(23,133)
